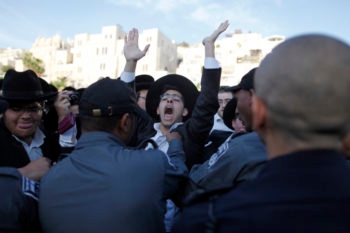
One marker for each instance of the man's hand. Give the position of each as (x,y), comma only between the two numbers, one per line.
(212,38)
(62,105)
(209,41)
(173,135)
(132,51)
(36,169)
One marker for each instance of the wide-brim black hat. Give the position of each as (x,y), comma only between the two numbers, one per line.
(230,112)
(23,86)
(180,83)
(143,82)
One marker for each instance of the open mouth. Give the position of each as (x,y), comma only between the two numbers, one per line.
(168,113)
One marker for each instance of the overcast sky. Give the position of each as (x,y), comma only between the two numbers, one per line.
(180,20)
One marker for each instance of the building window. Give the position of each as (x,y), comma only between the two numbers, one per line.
(102,66)
(104,50)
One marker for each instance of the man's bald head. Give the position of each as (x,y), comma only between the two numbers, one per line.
(305,84)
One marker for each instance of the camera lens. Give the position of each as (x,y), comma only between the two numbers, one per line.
(74,98)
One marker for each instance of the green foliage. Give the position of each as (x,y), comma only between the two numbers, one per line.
(33,63)
(4,69)
(183,44)
(198,85)
(60,83)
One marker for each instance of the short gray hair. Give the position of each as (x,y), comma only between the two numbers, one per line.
(305,83)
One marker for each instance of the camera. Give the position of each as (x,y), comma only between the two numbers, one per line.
(74,98)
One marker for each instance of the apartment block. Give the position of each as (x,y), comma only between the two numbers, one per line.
(11,57)
(89,57)
(56,56)
(237,53)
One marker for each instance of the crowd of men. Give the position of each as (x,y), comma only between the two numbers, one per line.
(135,154)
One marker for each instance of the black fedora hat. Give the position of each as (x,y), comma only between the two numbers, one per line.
(180,83)
(23,86)
(143,81)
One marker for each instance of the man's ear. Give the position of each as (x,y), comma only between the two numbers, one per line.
(345,146)
(251,95)
(233,123)
(123,127)
(259,114)
(185,112)
(125,123)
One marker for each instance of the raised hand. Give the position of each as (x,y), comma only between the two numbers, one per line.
(62,105)
(209,41)
(132,52)
(212,38)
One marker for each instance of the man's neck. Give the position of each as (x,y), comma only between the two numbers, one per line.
(164,129)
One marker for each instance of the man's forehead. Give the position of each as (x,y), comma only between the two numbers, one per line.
(171,91)
(223,95)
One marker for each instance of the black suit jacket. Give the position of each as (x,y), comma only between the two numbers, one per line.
(307,191)
(195,130)
(12,153)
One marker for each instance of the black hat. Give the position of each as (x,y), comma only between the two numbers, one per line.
(108,97)
(230,112)
(246,83)
(23,86)
(180,83)
(143,81)
(3,106)
(47,88)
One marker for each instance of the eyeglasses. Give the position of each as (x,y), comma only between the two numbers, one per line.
(22,109)
(173,97)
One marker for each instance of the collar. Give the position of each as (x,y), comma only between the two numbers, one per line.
(217,118)
(156,127)
(160,138)
(37,140)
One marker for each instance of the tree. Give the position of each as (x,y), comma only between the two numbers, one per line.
(33,63)
(4,69)
(60,83)
(183,44)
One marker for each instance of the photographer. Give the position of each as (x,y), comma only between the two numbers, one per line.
(73,98)
(67,108)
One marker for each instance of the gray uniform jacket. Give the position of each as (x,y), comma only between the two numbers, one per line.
(18,202)
(238,159)
(105,187)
